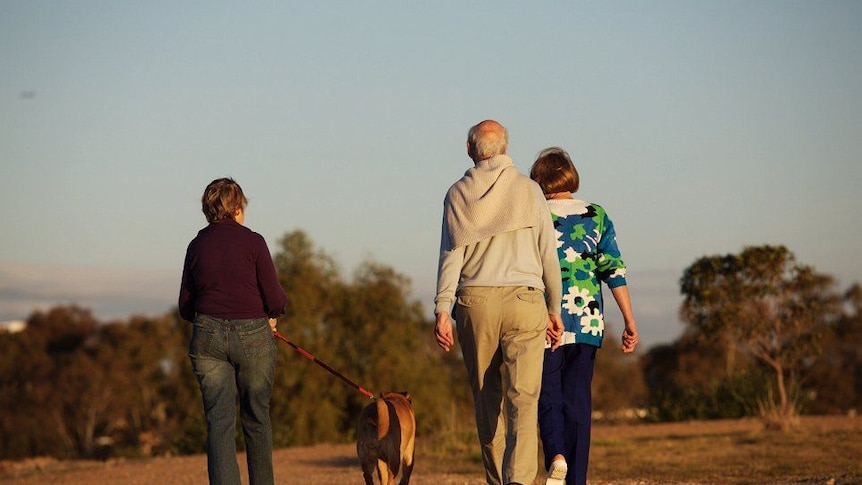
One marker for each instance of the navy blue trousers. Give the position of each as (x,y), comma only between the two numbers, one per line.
(566,406)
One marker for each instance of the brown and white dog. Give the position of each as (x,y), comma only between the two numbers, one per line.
(385,438)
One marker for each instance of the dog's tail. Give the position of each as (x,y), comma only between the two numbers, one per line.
(382,418)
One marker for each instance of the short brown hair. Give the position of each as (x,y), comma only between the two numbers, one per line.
(554,171)
(221,199)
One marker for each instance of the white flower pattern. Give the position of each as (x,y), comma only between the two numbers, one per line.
(593,323)
(577,299)
(589,258)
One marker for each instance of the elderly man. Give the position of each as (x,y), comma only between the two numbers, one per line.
(498,266)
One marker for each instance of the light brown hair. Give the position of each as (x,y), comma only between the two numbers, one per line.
(221,199)
(554,171)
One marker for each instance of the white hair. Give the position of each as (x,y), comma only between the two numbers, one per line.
(486,145)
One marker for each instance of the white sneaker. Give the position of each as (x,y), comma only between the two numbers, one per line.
(557,473)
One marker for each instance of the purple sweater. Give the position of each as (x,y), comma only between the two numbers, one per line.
(228,273)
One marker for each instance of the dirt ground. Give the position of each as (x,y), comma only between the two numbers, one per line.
(337,464)
(317,465)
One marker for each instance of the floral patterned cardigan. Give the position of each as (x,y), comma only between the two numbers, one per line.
(589,256)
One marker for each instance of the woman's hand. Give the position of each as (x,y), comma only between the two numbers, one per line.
(630,338)
(554,335)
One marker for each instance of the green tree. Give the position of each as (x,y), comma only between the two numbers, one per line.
(52,387)
(147,357)
(836,380)
(185,428)
(26,377)
(684,384)
(618,383)
(71,386)
(367,329)
(761,302)
(390,343)
(306,402)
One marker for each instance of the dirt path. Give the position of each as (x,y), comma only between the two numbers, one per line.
(317,465)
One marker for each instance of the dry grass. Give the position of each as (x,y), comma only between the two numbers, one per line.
(822,450)
(729,452)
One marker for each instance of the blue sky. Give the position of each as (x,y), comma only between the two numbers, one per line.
(702,127)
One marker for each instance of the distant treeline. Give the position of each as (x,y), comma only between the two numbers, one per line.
(71,386)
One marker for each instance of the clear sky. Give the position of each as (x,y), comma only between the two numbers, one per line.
(701,126)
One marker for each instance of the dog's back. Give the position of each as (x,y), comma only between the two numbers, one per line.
(385,438)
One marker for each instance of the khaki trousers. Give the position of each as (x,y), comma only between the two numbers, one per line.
(502,335)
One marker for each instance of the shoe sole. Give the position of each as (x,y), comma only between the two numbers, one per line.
(557,476)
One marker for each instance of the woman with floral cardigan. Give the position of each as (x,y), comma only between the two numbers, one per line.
(589,256)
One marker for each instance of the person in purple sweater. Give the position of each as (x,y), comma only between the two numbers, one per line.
(230,292)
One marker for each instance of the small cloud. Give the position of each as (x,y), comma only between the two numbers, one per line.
(110,293)
(27,94)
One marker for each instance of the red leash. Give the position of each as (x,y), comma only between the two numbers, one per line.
(334,372)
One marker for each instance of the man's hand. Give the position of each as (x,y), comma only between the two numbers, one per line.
(443,331)
(555,331)
(272,323)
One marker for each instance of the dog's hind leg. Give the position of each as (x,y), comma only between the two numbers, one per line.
(366,474)
(368,466)
(407,459)
(384,473)
(367,456)
(405,474)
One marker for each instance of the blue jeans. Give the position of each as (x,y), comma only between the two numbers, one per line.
(230,358)
(565,407)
